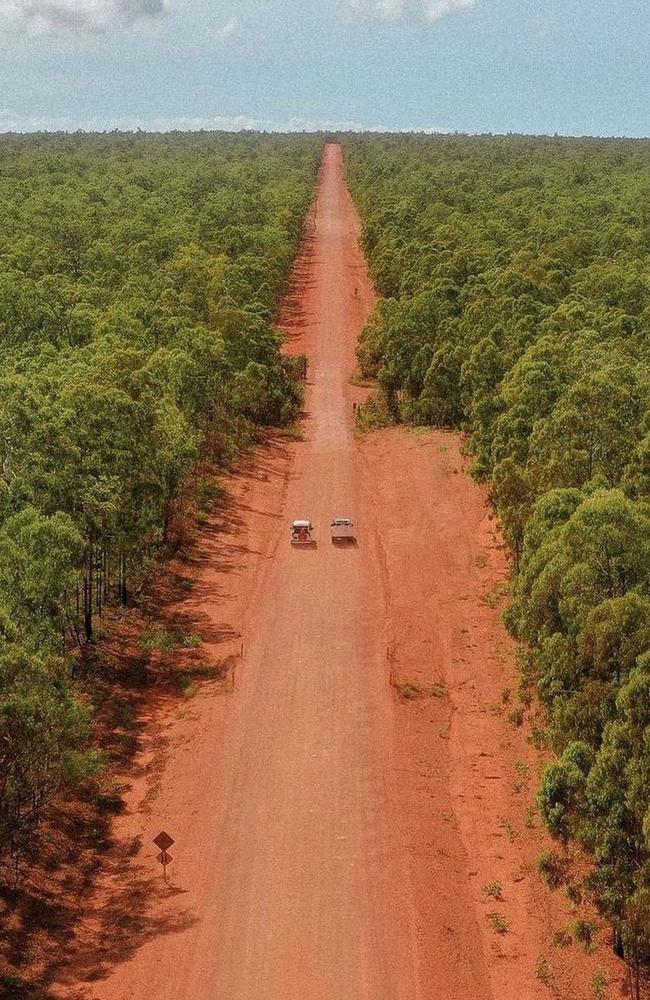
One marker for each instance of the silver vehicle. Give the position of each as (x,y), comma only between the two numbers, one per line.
(342,529)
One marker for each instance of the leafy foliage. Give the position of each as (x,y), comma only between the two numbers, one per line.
(42,727)
(516,282)
(139,277)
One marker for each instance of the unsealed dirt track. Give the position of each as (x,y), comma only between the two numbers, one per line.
(286,865)
(332,835)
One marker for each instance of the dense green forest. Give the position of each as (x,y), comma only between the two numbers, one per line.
(516,282)
(139,277)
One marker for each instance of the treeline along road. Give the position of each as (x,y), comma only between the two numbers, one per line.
(516,303)
(139,277)
(331,812)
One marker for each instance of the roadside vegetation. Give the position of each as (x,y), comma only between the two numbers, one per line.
(139,277)
(515,275)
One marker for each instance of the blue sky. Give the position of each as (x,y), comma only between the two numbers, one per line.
(566,66)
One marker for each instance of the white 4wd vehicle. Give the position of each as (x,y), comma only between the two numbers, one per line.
(302,533)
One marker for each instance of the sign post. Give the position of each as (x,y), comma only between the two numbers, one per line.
(164,841)
(165,859)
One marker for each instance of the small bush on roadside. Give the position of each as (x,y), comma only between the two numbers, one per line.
(574,893)
(543,971)
(494,890)
(516,717)
(561,939)
(583,931)
(599,986)
(553,869)
(163,640)
(375,413)
(499,922)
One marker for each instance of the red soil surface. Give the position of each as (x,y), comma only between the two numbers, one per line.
(334,832)
(467,775)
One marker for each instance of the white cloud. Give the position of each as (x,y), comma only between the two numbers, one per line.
(393,10)
(543,31)
(44,16)
(229,29)
(435,9)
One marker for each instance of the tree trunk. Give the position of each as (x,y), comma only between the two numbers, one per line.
(88,596)
(124,596)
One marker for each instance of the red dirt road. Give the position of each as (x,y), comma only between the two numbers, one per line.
(292,880)
(333,839)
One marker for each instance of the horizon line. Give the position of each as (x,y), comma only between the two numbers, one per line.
(316,130)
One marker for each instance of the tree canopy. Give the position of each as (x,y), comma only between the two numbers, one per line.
(139,280)
(515,275)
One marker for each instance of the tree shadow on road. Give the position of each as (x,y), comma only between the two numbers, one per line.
(123,920)
(87,902)
(89,906)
